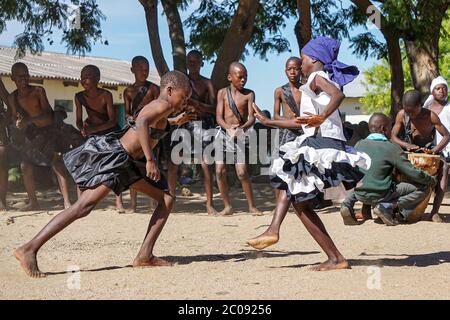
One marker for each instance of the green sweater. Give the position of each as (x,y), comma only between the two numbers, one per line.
(386,156)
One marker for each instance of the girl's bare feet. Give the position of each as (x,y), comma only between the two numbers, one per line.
(263,241)
(331,265)
(151,262)
(28,262)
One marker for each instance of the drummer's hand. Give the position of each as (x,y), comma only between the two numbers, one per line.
(152,170)
(412,147)
(433,151)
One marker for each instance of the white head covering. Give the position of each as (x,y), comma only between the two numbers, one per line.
(437,81)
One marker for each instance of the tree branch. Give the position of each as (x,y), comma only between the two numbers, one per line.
(151,17)
(176,33)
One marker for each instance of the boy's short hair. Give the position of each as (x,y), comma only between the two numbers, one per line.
(18,65)
(295,59)
(195,53)
(176,79)
(92,67)
(411,98)
(236,64)
(139,59)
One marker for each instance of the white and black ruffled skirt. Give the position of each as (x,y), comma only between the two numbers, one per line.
(311,165)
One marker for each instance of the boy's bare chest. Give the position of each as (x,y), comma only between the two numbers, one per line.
(30,103)
(422,127)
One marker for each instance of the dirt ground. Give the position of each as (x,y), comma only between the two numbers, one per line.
(212,260)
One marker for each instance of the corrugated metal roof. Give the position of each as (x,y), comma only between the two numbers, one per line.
(59,66)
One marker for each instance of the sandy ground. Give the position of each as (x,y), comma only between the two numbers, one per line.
(213,262)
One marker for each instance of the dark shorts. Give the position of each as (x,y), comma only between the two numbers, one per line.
(103,160)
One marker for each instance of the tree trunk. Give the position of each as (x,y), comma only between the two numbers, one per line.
(237,37)
(394,56)
(423,52)
(303,29)
(423,61)
(151,17)
(397,72)
(176,34)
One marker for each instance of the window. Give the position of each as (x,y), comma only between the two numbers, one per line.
(66,105)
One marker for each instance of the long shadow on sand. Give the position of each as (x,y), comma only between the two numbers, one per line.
(244,255)
(184,260)
(398,260)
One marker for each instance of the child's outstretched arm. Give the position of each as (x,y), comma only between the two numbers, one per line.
(277,123)
(336,97)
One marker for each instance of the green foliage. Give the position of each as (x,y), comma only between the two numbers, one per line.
(378,87)
(209,24)
(14,175)
(378,78)
(41,18)
(444,50)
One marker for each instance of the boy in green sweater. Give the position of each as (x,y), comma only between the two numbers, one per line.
(378,188)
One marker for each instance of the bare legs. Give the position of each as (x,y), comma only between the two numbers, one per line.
(312,223)
(145,257)
(241,171)
(26,254)
(28,181)
(440,189)
(221,175)
(3,179)
(208,183)
(59,169)
(272,234)
(315,227)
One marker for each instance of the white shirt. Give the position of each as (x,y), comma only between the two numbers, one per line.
(444,116)
(313,103)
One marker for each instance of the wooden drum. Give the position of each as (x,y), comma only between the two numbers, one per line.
(430,164)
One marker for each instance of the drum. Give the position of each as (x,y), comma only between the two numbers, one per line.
(430,164)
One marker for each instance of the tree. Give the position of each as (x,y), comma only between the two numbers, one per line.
(377,78)
(81,27)
(378,87)
(415,22)
(151,17)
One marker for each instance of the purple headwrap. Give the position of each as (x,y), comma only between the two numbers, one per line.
(326,50)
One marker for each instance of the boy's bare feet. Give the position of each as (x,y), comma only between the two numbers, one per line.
(211,210)
(3,207)
(348,216)
(32,206)
(331,265)
(28,262)
(436,218)
(255,212)
(67,205)
(263,241)
(228,211)
(151,262)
